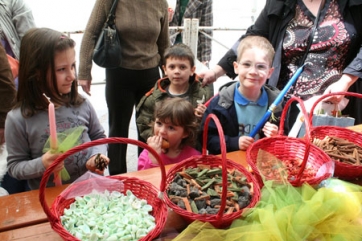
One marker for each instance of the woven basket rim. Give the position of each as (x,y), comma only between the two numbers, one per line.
(214,219)
(161,210)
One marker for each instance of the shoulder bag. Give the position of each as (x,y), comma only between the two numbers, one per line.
(107,52)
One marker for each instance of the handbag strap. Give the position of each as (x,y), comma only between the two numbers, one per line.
(111,15)
(311,35)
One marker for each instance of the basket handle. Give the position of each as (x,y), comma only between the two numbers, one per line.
(223,157)
(328,95)
(86,145)
(307,131)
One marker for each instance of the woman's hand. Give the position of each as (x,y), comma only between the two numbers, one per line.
(270,129)
(92,166)
(48,158)
(85,86)
(245,142)
(342,85)
(211,75)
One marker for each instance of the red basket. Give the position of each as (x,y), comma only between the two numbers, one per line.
(219,220)
(290,148)
(342,170)
(141,189)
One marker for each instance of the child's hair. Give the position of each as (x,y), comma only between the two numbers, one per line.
(179,112)
(250,42)
(37,71)
(180,51)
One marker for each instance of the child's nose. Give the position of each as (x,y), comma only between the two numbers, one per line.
(253,69)
(71,75)
(162,130)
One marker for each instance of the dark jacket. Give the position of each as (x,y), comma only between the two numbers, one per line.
(7,87)
(223,107)
(272,23)
(145,109)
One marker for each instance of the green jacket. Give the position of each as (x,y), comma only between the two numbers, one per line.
(146,106)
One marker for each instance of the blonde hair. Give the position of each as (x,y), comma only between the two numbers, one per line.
(262,43)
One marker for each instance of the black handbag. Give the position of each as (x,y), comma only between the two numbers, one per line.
(107,52)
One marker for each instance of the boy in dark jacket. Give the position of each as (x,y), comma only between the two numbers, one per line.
(181,81)
(241,105)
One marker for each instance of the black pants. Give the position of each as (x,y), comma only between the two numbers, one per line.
(124,89)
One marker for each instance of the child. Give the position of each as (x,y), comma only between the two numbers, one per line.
(242,104)
(47,66)
(175,130)
(181,81)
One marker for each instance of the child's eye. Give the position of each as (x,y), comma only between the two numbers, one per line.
(158,123)
(261,67)
(245,65)
(61,69)
(171,128)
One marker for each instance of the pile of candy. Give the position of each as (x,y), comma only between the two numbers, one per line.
(108,216)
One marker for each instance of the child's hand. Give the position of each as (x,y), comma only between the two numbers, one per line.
(245,142)
(270,129)
(91,164)
(200,110)
(155,142)
(48,158)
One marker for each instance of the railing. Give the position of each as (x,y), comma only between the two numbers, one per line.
(190,32)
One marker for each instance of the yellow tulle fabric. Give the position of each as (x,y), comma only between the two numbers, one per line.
(66,140)
(286,213)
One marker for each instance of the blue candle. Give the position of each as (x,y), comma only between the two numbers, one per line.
(276,101)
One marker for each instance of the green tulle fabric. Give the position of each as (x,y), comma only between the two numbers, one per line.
(331,212)
(66,140)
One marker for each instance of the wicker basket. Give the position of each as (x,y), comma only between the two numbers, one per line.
(141,189)
(342,170)
(219,220)
(290,148)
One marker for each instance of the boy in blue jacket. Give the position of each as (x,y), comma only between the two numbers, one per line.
(240,105)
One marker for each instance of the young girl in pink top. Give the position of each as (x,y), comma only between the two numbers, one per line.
(175,131)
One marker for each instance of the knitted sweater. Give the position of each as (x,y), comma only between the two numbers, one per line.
(143,31)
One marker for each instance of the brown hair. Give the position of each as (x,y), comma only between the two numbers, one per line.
(180,51)
(256,41)
(179,112)
(37,71)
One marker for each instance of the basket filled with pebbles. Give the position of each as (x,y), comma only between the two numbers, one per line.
(106,208)
(343,145)
(210,188)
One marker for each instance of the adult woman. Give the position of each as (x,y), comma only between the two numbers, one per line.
(334,59)
(143,32)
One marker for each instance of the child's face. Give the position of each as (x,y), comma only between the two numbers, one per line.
(65,70)
(172,133)
(178,71)
(253,69)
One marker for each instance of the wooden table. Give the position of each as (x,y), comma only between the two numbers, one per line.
(23,218)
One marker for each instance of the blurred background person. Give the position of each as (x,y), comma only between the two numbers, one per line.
(144,36)
(16,18)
